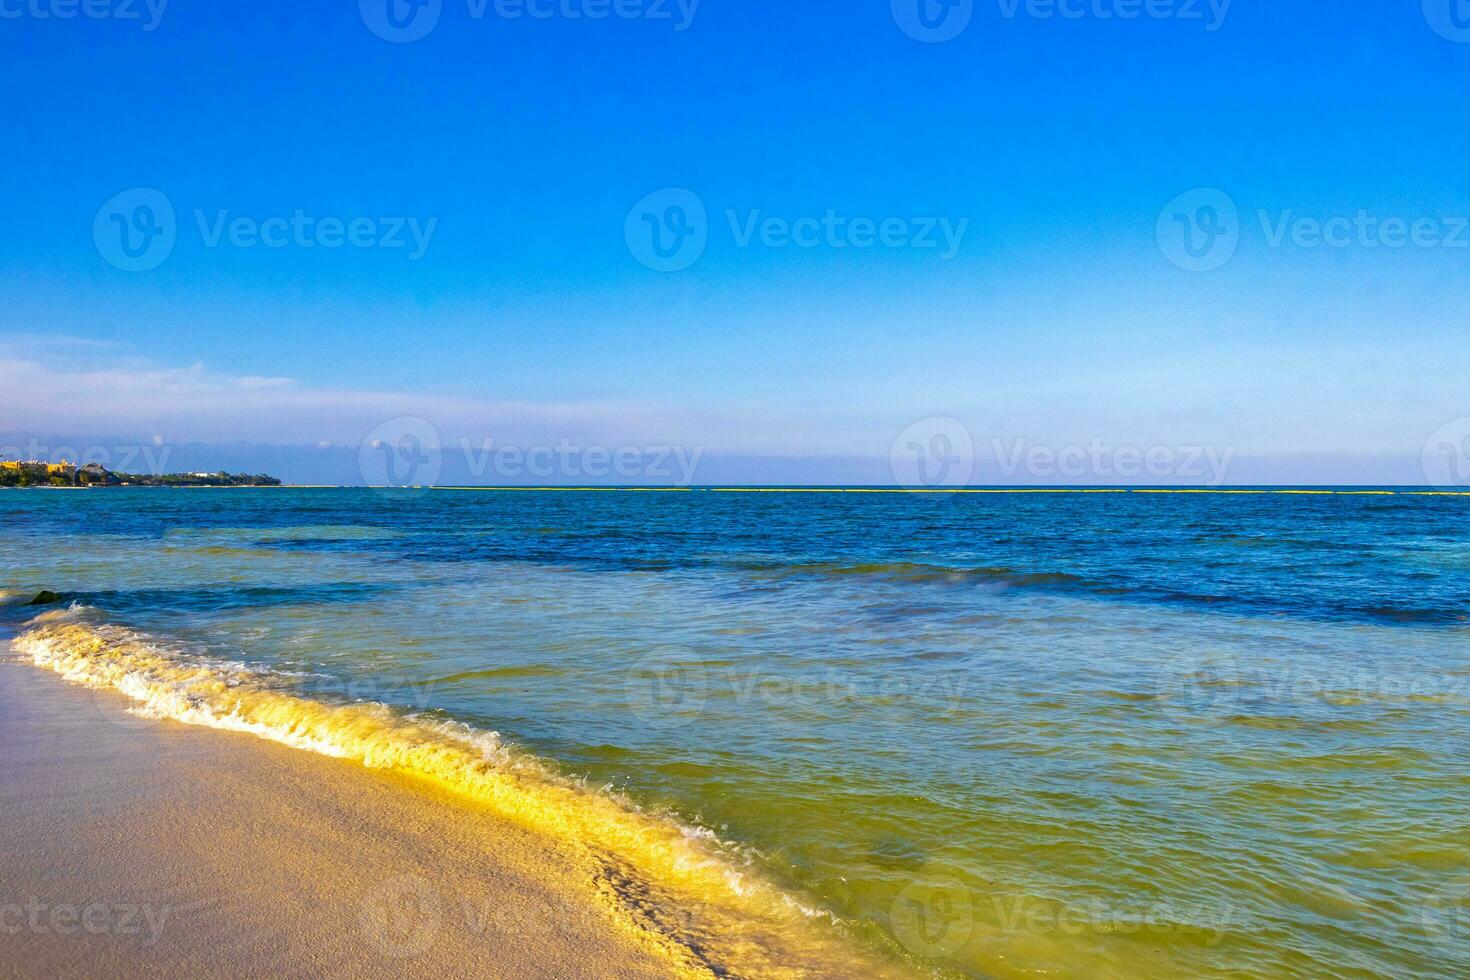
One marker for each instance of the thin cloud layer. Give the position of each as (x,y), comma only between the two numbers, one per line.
(55,387)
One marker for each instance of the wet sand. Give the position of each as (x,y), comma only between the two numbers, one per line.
(135,847)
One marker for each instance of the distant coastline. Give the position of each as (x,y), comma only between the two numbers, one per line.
(37,474)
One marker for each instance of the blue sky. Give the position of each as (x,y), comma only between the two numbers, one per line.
(518,146)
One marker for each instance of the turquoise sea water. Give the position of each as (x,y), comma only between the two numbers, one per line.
(1050,734)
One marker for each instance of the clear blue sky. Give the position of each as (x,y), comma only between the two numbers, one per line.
(1059,319)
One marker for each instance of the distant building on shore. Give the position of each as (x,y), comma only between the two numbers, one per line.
(33,472)
(41,468)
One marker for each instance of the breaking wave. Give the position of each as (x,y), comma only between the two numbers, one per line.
(676,888)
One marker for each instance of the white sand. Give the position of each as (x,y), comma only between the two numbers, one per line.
(134,847)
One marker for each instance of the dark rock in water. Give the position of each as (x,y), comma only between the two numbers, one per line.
(44,598)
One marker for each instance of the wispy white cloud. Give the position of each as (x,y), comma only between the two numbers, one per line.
(60,387)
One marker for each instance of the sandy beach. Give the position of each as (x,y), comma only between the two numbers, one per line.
(136,847)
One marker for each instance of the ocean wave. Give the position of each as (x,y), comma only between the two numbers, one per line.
(30,597)
(676,888)
(918,572)
(271,535)
(499,673)
(216,598)
(1105,587)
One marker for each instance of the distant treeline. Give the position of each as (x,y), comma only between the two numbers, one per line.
(220,479)
(38,474)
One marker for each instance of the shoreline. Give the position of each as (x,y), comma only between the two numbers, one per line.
(1323,491)
(138,847)
(409,840)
